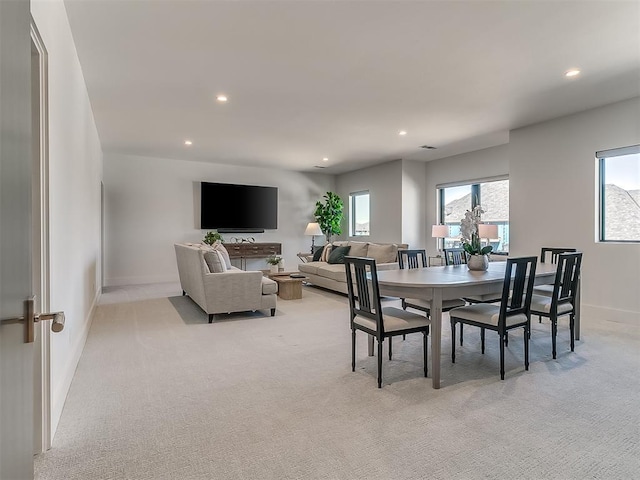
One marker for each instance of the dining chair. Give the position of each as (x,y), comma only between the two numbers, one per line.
(457,256)
(409,259)
(512,312)
(367,314)
(563,297)
(549,254)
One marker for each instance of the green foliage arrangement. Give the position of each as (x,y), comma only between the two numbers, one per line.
(328,214)
(274,260)
(212,237)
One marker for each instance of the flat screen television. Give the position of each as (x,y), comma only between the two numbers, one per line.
(228,207)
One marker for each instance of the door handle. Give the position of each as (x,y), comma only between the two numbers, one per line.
(57,320)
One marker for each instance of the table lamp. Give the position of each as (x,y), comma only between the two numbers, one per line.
(439,231)
(313,229)
(487,232)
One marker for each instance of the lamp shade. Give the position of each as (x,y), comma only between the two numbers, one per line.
(440,231)
(487,231)
(313,229)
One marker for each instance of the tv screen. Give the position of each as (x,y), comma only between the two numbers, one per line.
(228,207)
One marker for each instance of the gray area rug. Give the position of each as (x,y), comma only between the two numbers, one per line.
(161,394)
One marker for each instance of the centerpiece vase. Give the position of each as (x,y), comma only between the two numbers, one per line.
(478,262)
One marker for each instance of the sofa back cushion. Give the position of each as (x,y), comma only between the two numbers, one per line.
(325,252)
(358,249)
(215,262)
(387,253)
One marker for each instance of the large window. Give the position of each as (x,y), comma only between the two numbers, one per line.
(619,194)
(359,214)
(493,196)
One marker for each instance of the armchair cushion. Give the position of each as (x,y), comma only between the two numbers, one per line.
(269,286)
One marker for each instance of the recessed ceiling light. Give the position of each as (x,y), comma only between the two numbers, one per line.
(572,73)
(402,132)
(325,159)
(188,142)
(221,98)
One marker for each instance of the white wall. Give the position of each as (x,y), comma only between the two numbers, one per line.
(414,196)
(553,201)
(384,183)
(75,169)
(468,167)
(150,205)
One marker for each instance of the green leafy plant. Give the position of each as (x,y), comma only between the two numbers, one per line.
(212,237)
(274,260)
(328,214)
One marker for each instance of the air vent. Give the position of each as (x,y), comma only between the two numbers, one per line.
(428,147)
(319,166)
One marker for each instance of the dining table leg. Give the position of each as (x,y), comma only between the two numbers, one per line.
(577,315)
(436,336)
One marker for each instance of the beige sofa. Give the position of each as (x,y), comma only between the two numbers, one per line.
(233,290)
(333,276)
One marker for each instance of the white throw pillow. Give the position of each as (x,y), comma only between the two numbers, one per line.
(325,253)
(220,248)
(215,262)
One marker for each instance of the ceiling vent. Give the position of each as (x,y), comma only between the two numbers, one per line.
(427,147)
(319,166)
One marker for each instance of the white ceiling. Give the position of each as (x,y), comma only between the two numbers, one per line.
(314,79)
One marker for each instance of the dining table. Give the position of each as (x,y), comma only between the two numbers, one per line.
(450,282)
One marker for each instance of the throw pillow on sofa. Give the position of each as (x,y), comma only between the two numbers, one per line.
(383,253)
(325,252)
(223,251)
(337,254)
(215,262)
(317,254)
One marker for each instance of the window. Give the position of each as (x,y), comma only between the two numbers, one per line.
(619,182)
(359,214)
(493,196)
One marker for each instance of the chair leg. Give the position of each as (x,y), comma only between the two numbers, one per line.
(453,340)
(506,339)
(425,346)
(526,347)
(379,363)
(273,312)
(461,330)
(554,332)
(390,343)
(572,328)
(482,339)
(353,349)
(502,356)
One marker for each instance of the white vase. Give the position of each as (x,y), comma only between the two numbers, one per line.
(273,268)
(478,262)
(281,266)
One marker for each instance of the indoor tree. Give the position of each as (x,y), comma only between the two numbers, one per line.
(328,214)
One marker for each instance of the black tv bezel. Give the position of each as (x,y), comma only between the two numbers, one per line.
(257,229)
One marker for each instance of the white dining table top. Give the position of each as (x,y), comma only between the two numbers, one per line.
(452,275)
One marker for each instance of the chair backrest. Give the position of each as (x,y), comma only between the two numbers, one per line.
(553,253)
(455,256)
(567,276)
(363,291)
(519,277)
(409,258)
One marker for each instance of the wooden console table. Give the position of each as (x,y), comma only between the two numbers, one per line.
(252,250)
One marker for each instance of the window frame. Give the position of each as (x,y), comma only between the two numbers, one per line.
(352,212)
(601,158)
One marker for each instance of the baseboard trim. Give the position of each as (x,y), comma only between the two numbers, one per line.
(626,317)
(59,397)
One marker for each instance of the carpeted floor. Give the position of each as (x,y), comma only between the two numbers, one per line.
(161,394)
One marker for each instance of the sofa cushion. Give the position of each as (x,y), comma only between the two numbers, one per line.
(310,267)
(337,254)
(358,249)
(215,262)
(383,253)
(269,286)
(334,272)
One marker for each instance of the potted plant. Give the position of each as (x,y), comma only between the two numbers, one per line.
(328,214)
(274,263)
(478,255)
(212,237)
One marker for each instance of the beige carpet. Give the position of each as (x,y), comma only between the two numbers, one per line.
(161,394)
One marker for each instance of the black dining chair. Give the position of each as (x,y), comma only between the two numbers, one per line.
(409,259)
(550,254)
(562,300)
(512,312)
(367,314)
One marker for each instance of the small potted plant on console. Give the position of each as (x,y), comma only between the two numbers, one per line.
(274,263)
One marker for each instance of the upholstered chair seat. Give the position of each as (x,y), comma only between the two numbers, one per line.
(394,319)
(542,303)
(487,314)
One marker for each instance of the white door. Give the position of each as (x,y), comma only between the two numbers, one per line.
(16,356)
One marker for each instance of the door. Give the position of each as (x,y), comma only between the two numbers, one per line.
(16,356)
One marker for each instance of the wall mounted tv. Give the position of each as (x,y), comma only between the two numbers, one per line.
(231,208)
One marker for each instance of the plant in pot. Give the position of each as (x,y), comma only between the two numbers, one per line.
(470,237)
(328,214)
(274,262)
(212,237)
